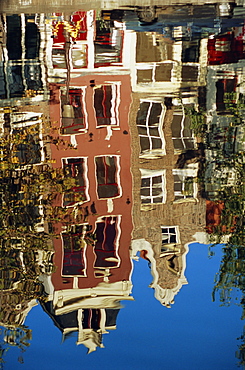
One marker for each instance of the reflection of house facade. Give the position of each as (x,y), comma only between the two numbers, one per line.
(81,43)
(22,58)
(165,65)
(90,323)
(167,210)
(92,253)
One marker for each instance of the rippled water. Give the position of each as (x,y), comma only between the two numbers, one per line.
(122,185)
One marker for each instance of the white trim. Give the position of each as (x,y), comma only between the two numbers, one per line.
(90,38)
(153,153)
(84,110)
(115,102)
(176,233)
(103,295)
(164,295)
(145,174)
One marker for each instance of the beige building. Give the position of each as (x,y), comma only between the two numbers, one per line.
(167,210)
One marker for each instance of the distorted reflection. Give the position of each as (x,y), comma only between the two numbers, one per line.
(122,137)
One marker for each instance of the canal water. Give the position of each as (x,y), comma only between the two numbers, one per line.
(122,185)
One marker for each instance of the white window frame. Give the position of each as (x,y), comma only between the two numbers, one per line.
(152,66)
(145,173)
(115,102)
(83,93)
(177,234)
(152,153)
(100,271)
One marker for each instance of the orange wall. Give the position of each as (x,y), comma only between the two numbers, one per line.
(119,144)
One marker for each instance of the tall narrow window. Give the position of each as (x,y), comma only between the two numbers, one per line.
(106,104)
(14,45)
(107,176)
(149,119)
(108,44)
(73,115)
(74,247)
(153,186)
(106,242)
(32,38)
(183,137)
(75,181)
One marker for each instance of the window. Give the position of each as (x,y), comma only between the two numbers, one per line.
(108,44)
(73,112)
(170,234)
(153,186)
(74,248)
(65,53)
(185,186)
(22,43)
(32,38)
(106,102)
(182,135)
(149,119)
(107,176)
(224,90)
(190,51)
(154,72)
(107,235)
(75,172)
(14,46)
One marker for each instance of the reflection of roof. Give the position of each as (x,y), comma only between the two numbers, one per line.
(165,288)
(89,323)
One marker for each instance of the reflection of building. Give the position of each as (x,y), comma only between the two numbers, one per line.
(94,120)
(164,65)
(167,210)
(92,253)
(226,48)
(22,58)
(81,43)
(90,323)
